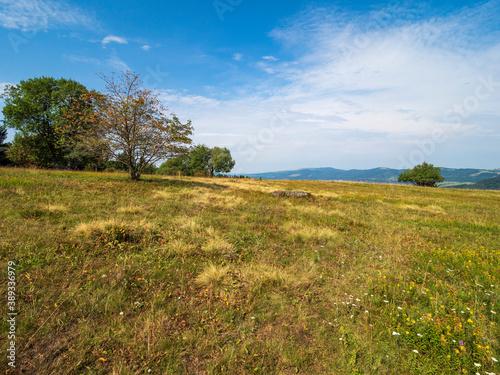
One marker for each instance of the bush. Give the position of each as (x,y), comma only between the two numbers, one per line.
(422,175)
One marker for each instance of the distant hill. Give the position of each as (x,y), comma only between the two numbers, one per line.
(380,175)
(487,184)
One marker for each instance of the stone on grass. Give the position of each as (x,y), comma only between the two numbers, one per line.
(290,193)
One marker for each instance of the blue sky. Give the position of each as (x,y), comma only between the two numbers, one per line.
(287,84)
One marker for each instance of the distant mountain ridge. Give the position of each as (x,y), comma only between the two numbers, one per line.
(453,176)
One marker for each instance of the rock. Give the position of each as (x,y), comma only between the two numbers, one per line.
(290,193)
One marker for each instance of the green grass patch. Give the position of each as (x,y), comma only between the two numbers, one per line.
(216,276)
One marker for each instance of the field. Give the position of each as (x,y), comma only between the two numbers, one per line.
(216,276)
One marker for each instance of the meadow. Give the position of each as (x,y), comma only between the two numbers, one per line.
(216,276)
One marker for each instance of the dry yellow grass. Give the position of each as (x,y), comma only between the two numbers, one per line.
(309,232)
(215,242)
(99,226)
(434,209)
(212,275)
(54,207)
(131,209)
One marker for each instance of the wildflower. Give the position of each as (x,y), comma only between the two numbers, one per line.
(394,333)
(477,364)
(461,343)
(121,312)
(341,339)
(415,351)
(420,335)
(494,359)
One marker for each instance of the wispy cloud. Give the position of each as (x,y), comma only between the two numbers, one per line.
(37,15)
(238,57)
(270,58)
(116,63)
(113,39)
(146,47)
(185,101)
(83,59)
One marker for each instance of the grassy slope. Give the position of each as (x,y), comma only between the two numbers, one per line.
(209,276)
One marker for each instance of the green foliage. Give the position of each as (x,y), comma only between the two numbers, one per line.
(3,146)
(35,109)
(220,161)
(200,161)
(173,166)
(486,184)
(422,175)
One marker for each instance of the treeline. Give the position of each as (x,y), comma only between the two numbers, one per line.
(61,124)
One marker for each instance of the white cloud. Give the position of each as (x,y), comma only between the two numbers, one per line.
(146,47)
(270,58)
(237,56)
(37,15)
(186,102)
(115,39)
(116,63)
(83,59)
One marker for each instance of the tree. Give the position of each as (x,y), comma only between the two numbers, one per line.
(422,175)
(200,160)
(3,146)
(34,108)
(128,122)
(220,161)
(173,166)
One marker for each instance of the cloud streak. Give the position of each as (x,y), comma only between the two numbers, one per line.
(113,39)
(41,15)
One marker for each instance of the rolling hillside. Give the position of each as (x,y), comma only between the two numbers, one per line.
(216,276)
(379,175)
(487,184)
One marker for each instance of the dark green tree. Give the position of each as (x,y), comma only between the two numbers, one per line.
(3,146)
(422,175)
(220,160)
(35,109)
(201,159)
(173,166)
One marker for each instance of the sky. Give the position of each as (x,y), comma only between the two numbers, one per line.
(287,84)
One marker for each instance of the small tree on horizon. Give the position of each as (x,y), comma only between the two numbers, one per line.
(422,175)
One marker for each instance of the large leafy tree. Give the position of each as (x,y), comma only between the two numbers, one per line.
(220,160)
(128,122)
(35,109)
(422,175)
